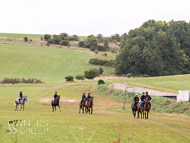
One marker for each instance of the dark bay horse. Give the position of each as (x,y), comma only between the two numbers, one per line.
(134,109)
(22,102)
(140,109)
(82,106)
(89,105)
(146,108)
(55,103)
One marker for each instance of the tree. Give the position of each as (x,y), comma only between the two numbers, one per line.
(69,78)
(82,44)
(106,43)
(90,74)
(91,41)
(64,42)
(56,39)
(63,36)
(25,39)
(47,36)
(100,71)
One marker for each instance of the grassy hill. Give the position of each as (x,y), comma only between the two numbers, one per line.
(46,64)
(30,36)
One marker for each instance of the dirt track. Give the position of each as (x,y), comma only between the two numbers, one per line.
(122,86)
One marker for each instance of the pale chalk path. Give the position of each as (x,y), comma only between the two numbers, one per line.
(122,86)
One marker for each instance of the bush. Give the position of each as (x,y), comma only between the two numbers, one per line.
(101,82)
(56,39)
(81,44)
(93,48)
(42,39)
(64,42)
(25,39)
(76,38)
(47,36)
(96,51)
(69,78)
(63,36)
(129,75)
(79,77)
(106,42)
(91,42)
(96,61)
(100,71)
(90,74)
(101,48)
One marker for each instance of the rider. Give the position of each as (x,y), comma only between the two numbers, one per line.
(143,99)
(89,97)
(149,98)
(55,96)
(83,97)
(136,99)
(20,94)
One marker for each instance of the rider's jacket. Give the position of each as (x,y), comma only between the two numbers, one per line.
(142,97)
(83,96)
(88,97)
(149,98)
(20,94)
(136,98)
(55,95)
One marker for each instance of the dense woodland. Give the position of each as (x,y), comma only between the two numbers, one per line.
(156,48)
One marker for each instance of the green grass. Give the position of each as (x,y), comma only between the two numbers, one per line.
(46,64)
(30,36)
(21,36)
(107,122)
(164,83)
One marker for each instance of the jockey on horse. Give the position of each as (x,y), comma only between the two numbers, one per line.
(136,100)
(55,96)
(88,97)
(143,99)
(83,97)
(149,98)
(20,94)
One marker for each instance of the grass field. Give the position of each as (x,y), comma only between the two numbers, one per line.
(30,36)
(164,83)
(46,64)
(108,121)
(105,124)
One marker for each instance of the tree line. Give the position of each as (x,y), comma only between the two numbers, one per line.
(156,48)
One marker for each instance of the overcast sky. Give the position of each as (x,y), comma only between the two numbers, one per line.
(85,17)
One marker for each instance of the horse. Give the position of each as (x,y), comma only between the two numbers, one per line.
(82,106)
(89,105)
(146,108)
(134,109)
(55,103)
(139,109)
(22,102)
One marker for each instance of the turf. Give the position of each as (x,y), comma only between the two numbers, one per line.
(105,124)
(30,36)
(46,64)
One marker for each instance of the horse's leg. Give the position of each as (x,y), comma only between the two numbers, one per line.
(79,108)
(21,106)
(147,114)
(53,108)
(91,110)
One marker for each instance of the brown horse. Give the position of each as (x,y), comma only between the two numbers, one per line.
(89,105)
(134,109)
(55,103)
(140,109)
(146,108)
(82,106)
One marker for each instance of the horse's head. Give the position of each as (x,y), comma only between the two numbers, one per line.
(26,98)
(146,100)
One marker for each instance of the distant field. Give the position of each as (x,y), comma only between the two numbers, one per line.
(164,83)
(30,36)
(44,63)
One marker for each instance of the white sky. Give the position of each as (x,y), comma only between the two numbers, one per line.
(85,17)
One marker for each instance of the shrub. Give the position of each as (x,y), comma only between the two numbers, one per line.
(96,61)
(101,82)
(93,48)
(71,38)
(101,48)
(50,41)
(56,39)
(129,75)
(79,77)
(42,39)
(81,44)
(96,51)
(76,38)
(69,78)
(63,36)
(47,36)
(90,74)
(64,42)
(25,39)
(100,71)
(106,42)
(91,41)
